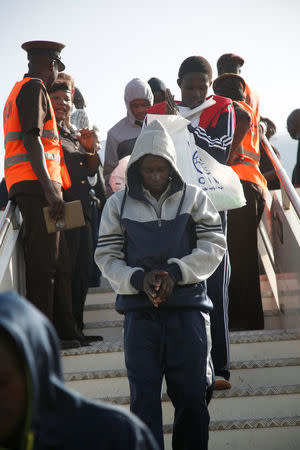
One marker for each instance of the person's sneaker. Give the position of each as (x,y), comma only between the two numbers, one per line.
(221,384)
(69,343)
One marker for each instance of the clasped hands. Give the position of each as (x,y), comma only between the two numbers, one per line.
(158,286)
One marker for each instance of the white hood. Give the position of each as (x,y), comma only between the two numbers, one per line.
(136,88)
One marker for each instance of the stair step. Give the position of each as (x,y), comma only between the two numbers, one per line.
(94,361)
(265,436)
(239,337)
(99,306)
(257,345)
(276,433)
(262,422)
(234,366)
(244,375)
(105,296)
(110,356)
(100,312)
(104,324)
(108,333)
(109,329)
(112,383)
(236,408)
(260,391)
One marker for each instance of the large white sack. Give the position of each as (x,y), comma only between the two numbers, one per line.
(197,167)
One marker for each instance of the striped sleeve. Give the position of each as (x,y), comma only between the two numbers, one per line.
(109,254)
(110,239)
(217,140)
(208,228)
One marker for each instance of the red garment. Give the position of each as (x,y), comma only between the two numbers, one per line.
(209,117)
(215,129)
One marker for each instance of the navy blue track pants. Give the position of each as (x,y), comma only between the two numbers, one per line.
(174,344)
(217,290)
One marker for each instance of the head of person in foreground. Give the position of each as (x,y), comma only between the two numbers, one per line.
(37,411)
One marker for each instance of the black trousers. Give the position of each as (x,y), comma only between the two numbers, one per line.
(245,305)
(79,242)
(47,267)
(95,277)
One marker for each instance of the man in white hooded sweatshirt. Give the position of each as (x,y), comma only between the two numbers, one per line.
(122,136)
(158,241)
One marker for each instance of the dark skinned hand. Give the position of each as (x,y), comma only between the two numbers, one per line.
(151,285)
(235,158)
(158,286)
(166,288)
(86,138)
(56,204)
(171,107)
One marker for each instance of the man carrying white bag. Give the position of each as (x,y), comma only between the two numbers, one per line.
(223,187)
(211,120)
(211,127)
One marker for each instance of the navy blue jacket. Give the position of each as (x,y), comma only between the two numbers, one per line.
(182,234)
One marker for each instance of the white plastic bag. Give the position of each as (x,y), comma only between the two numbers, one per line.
(197,167)
(117,178)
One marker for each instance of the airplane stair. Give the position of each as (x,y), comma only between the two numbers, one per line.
(262,409)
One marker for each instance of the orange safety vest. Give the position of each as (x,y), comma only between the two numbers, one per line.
(248,169)
(252,100)
(17,166)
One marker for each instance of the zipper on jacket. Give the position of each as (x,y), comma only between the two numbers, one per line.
(159,215)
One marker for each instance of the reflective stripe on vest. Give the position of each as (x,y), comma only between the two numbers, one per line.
(16,159)
(248,168)
(251,155)
(18,135)
(247,163)
(17,164)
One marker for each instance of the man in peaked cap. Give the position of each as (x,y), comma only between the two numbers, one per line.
(231,63)
(245,303)
(35,174)
(50,50)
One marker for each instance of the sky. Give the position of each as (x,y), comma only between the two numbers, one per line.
(109,43)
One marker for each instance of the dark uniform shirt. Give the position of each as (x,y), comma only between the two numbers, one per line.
(76,162)
(296,171)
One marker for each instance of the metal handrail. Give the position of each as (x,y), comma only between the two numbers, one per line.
(6,220)
(283,177)
(267,242)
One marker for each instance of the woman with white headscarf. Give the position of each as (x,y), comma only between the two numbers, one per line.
(122,136)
